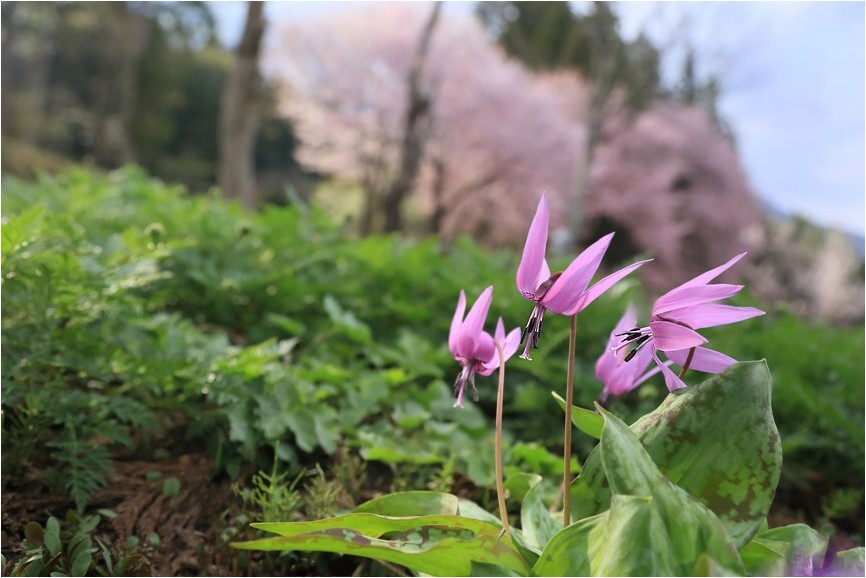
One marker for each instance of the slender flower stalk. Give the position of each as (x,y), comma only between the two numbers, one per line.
(565,292)
(569,401)
(500,484)
(676,317)
(480,353)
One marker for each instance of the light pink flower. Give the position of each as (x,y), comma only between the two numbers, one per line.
(618,376)
(473,347)
(566,292)
(677,315)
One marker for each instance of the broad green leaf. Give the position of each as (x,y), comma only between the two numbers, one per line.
(653,527)
(81,563)
(52,536)
(423,503)
(717,440)
(764,557)
(418,503)
(439,545)
(583,419)
(536,521)
(849,563)
(806,548)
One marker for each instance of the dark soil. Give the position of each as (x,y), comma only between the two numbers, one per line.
(184,522)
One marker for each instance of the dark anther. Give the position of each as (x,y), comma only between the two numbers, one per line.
(638,343)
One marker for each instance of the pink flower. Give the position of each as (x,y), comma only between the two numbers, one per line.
(473,347)
(566,292)
(677,315)
(618,376)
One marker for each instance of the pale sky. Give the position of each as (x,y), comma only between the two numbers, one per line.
(792,78)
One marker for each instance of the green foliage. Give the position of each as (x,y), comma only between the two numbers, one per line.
(66,548)
(271,496)
(717,440)
(131,310)
(649,525)
(426,531)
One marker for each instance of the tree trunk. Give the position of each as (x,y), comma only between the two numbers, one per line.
(437,217)
(239,114)
(415,132)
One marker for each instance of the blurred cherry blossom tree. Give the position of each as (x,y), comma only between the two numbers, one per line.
(498,135)
(672,186)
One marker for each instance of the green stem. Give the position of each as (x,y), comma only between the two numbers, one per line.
(687,363)
(569,401)
(500,484)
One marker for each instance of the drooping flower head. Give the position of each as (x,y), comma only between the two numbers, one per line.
(676,317)
(566,292)
(474,348)
(618,376)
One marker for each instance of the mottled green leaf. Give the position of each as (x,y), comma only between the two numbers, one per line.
(439,545)
(418,503)
(717,440)
(806,548)
(583,419)
(653,527)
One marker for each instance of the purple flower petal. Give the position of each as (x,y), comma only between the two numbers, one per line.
(712,314)
(669,336)
(682,297)
(456,323)
(706,360)
(705,278)
(601,286)
(470,334)
(512,343)
(565,292)
(656,369)
(499,334)
(532,263)
(672,381)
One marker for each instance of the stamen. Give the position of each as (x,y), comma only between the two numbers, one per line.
(639,343)
(532,331)
(639,336)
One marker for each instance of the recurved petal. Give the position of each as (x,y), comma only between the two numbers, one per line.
(682,297)
(567,290)
(601,286)
(499,334)
(705,278)
(456,323)
(654,370)
(509,344)
(672,381)
(626,322)
(474,322)
(712,314)
(528,272)
(706,360)
(669,336)
(512,343)
(606,366)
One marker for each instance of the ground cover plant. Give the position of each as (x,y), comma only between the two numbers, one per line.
(142,325)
